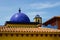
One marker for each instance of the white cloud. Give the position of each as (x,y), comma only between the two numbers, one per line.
(44,5)
(36,12)
(31,15)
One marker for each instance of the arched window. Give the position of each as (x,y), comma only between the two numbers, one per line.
(38,20)
(51,35)
(31,34)
(41,35)
(0,34)
(37,35)
(59,35)
(46,35)
(17,35)
(11,34)
(55,35)
(22,35)
(6,34)
(27,34)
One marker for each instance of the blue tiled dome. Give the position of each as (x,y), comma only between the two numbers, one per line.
(20,17)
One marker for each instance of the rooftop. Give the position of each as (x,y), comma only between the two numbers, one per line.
(52,20)
(39,29)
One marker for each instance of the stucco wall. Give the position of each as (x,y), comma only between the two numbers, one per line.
(29,37)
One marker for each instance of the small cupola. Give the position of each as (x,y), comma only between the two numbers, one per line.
(38,19)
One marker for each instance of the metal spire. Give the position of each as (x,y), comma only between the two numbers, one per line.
(19,10)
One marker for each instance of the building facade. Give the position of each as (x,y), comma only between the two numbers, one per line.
(20,28)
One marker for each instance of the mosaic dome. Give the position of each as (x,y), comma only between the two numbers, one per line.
(20,17)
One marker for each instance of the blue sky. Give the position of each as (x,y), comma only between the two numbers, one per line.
(45,8)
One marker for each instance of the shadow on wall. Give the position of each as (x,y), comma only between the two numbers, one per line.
(50,26)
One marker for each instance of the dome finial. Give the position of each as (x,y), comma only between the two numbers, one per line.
(19,10)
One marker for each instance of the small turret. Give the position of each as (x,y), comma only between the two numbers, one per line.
(38,19)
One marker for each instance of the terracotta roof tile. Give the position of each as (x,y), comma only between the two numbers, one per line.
(40,29)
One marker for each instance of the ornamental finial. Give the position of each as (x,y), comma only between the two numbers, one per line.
(19,10)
